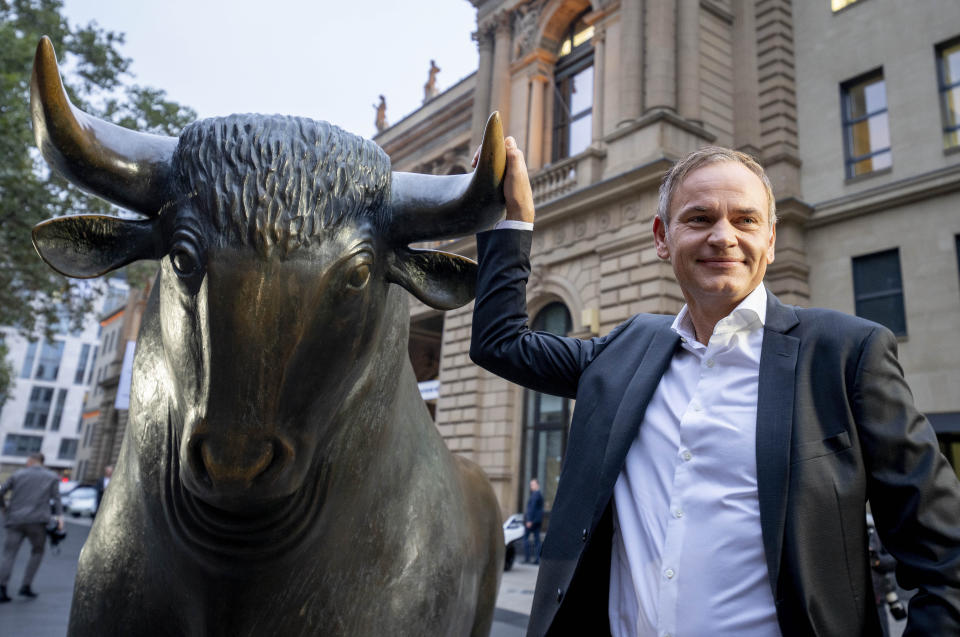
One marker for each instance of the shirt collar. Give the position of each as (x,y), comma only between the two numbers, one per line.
(751,311)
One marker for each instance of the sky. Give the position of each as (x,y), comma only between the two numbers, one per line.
(323,59)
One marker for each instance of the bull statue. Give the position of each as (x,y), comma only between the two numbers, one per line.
(280,473)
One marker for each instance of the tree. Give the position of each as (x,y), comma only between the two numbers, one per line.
(32,296)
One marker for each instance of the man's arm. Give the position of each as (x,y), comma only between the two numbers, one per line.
(915,495)
(6,486)
(501,341)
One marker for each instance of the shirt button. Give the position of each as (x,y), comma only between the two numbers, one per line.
(583,535)
(669,573)
(695,406)
(678,514)
(559,595)
(711,362)
(687,456)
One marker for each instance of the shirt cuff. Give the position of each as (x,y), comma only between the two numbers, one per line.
(513,224)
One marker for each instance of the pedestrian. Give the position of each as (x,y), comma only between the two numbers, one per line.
(533,521)
(27,516)
(719,461)
(102,485)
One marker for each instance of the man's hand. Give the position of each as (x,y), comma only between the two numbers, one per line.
(59,522)
(516,183)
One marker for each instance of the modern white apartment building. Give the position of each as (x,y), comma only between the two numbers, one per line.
(52,379)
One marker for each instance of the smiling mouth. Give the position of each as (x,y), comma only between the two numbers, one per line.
(720,263)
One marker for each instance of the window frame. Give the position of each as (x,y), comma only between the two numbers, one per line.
(943,89)
(848,124)
(567,67)
(898,292)
(19,439)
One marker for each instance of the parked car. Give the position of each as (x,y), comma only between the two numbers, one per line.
(66,486)
(513,537)
(80,501)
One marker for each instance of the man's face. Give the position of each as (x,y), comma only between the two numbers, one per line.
(534,485)
(720,239)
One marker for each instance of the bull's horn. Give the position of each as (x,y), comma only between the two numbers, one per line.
(431,207)
(125,167)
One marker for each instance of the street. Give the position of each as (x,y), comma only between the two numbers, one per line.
(47,615)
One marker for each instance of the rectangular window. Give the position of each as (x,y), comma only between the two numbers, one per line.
(19,445)
(28,360)
(49,365)
(948,72)
(68,449)
(58,410)
(82,364)
(866,128)
(93,362)
(38,408)
(878,289)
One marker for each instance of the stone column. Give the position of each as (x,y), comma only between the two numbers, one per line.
(660,88)
(688,59)
(631,61)
(539,82)
(481,92)
(746,83)
(599,66)
(500,91)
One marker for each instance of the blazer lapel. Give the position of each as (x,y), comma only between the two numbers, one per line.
(775,400)
(629,415)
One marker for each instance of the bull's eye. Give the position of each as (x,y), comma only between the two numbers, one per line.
(359,276)
(184,261)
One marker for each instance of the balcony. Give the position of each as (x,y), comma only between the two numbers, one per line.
(566,175)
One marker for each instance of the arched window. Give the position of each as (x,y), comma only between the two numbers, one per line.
(573,92)
(546,419)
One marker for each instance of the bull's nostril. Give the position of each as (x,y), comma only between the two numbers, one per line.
(235,461)
(196,462)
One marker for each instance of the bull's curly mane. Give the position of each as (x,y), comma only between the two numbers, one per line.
(277,181)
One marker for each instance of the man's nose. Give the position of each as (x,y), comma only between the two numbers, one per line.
(722,233)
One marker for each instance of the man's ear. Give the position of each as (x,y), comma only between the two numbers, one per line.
(660,238)
(442,280)
(773,242)
(86,246)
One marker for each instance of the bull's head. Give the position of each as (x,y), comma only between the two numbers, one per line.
(279,239)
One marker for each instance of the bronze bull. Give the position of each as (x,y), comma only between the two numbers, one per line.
(280,474)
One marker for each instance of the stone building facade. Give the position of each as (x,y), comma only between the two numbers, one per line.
(104,420)
(602,98)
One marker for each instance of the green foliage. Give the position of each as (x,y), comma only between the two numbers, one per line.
(31,295)
(6,374)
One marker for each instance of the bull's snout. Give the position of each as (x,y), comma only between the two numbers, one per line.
(227,467)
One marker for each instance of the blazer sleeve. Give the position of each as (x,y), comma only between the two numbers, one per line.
(914,493)
(502,341)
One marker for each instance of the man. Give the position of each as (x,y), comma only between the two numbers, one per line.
(533,521)
(27,517)
(719,462)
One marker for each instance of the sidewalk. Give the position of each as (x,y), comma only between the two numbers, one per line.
(514,600)
(47,615)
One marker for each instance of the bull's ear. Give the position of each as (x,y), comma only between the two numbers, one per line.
(442,280)
(85,246)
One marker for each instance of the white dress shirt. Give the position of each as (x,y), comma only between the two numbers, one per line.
(687,558)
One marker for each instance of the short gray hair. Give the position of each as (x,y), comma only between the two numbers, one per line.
(702,157)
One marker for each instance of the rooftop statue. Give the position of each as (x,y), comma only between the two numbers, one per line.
(280,474)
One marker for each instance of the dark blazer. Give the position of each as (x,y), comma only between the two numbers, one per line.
(836,425)
(534,509)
